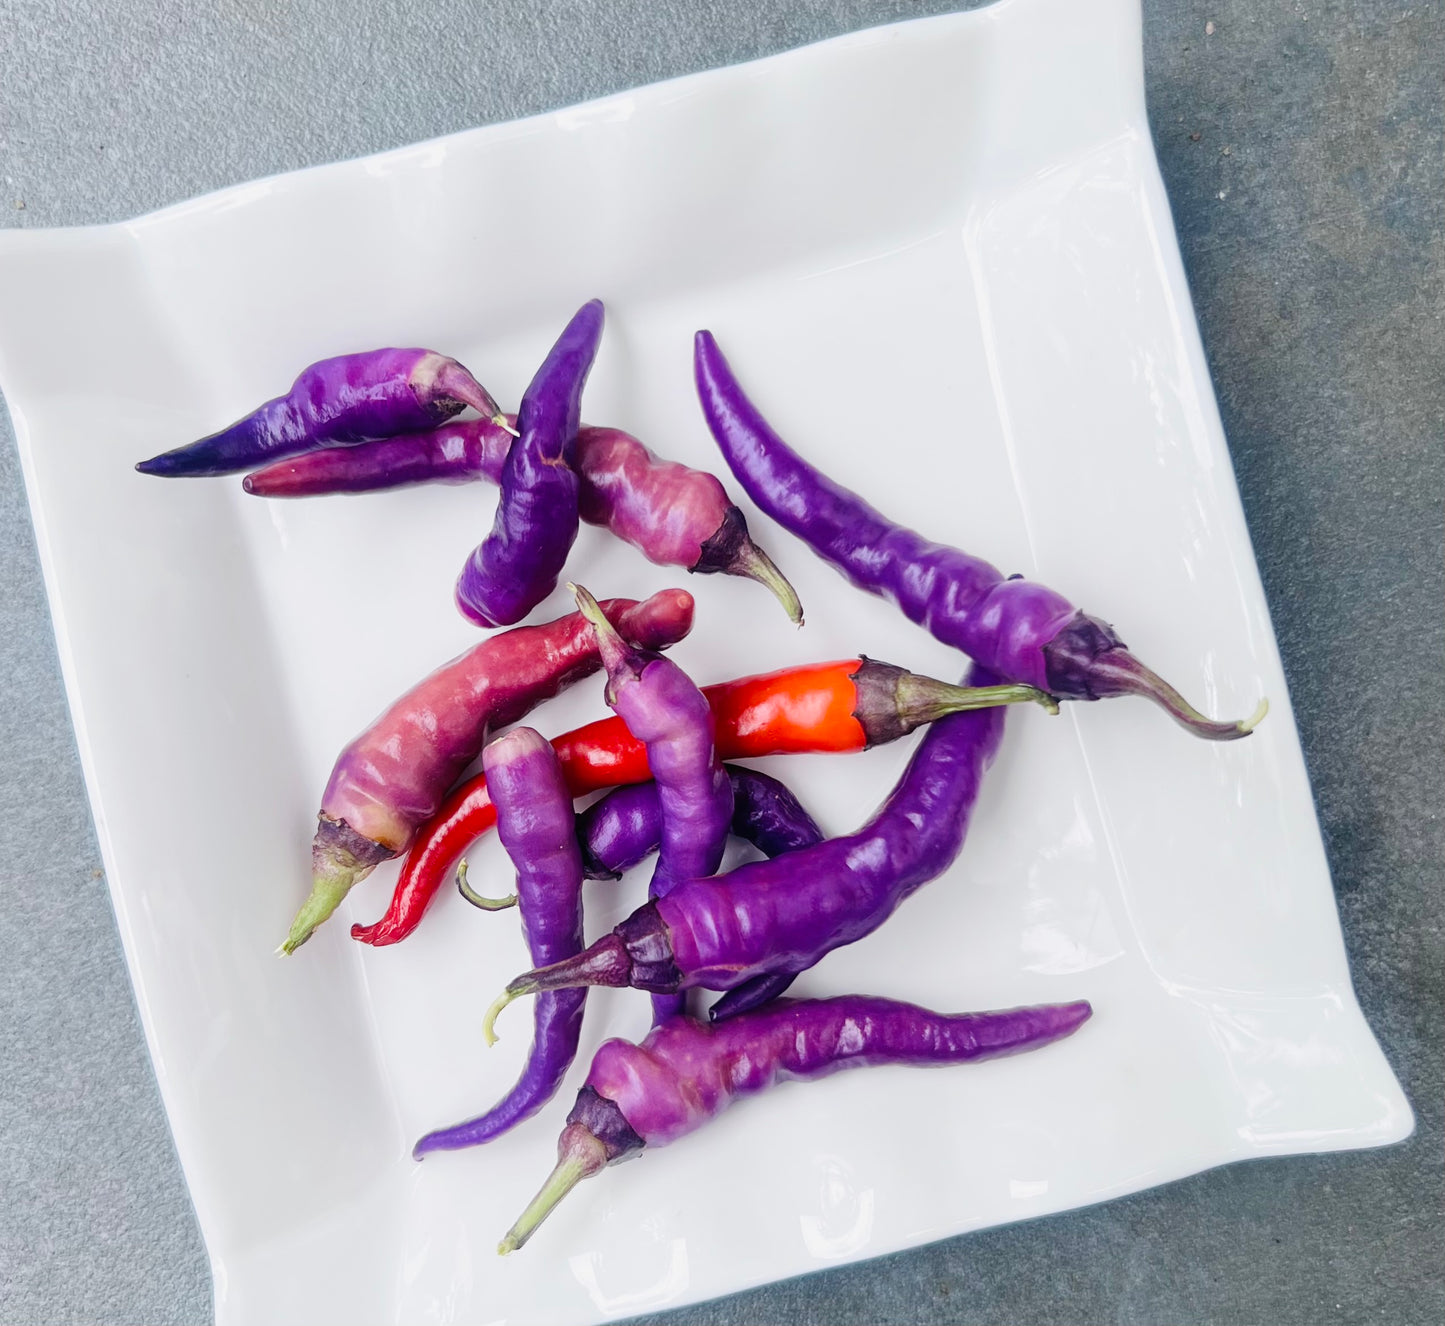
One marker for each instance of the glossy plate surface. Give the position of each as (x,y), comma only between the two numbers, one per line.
(940,258)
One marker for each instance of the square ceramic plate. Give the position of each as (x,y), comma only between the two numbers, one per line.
(940,257)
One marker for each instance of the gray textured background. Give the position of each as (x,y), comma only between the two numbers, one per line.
(1302,150)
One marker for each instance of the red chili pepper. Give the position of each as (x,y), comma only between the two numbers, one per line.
(826,707)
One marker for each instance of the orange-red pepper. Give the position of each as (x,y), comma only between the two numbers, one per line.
(842,706)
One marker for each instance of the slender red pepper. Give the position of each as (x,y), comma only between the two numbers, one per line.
(844,706)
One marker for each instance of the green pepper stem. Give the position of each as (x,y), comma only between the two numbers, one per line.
(752,562)
(476,899)
(579,1156)
(925,700)
(327,891)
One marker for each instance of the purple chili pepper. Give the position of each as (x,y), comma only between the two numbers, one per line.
(1019,629)
(516,566)
(535,824)
(625,826)
(784,915)
(378,393)
(686,1073)
(675,516)
(664,710)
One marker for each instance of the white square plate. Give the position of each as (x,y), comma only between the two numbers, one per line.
(941,259)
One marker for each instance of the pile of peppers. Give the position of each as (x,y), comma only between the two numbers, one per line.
(387,418)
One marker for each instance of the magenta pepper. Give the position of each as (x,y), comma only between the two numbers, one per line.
(675,516)
(392,778)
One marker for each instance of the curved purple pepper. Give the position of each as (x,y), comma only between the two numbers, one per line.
(1021,630)
(673,515)
(378,393)
(664,710)
(535,824)
(782,916)
(686,1073)
(516,566)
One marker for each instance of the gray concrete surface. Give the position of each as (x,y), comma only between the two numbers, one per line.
(1301,143)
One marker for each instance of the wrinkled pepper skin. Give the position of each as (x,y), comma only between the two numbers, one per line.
(517,565)
(784,915)
(392,778)
(625,827)
(378,393)
(535,824)
(1018,629)
(673,515)
(842,706)
(686,1073)
(664,710)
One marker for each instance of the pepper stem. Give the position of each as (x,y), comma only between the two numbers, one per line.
(605,963)
(926,699)
(752,562)
(579,1156)
(1118,672)
(476,899)
(616,652)
(327,891)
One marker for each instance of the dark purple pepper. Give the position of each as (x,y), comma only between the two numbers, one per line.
(1021,630)
(673,515)
(378,393)
(625,826)
(535,824)
(516,566)
(782,916)
(664,710)
(686,1073)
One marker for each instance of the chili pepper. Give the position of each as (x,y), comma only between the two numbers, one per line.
(844,706)
(516,566)
(392,777)
(1019,629)
(784,915)
(454,453)
(686,1073)
(625,826)
(675,516)
(378,393)
(664,710)
(535,824)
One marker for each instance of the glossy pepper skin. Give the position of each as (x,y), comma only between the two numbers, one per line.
(535,824)
(784,915)
(1020,630)
(378,393)
(392,778)
(686,1073)
(516,566)
(673,515)
(664,710)
(825,707)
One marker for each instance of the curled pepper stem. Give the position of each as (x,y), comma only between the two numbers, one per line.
(1123,674)
(476,899)
(753,562)
(489,1022)
(579,1156)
